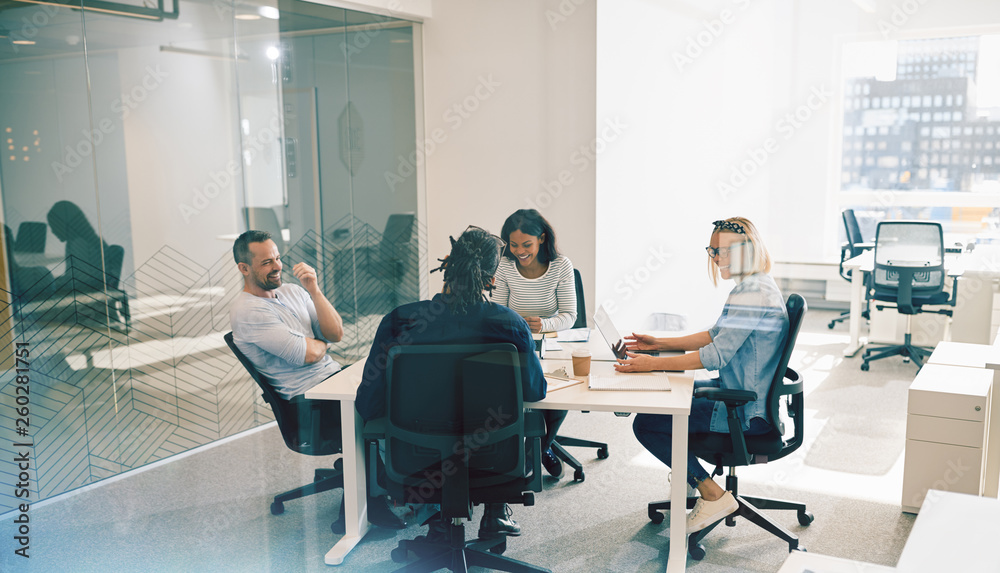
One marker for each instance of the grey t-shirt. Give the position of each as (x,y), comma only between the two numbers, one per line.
(272,333)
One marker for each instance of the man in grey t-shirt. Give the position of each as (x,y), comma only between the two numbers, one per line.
(284,330)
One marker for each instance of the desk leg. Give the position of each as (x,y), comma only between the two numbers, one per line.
(677,558)
(355,493)
(857,300)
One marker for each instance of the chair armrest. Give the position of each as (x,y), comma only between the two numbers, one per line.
(732,398)
(374,429)
(792,383)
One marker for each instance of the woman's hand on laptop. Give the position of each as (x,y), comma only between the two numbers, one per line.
(636,363)
(641,342)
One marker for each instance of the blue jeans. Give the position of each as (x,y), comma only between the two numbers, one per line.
(655,431)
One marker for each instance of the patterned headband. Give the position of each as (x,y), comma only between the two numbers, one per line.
(730,226)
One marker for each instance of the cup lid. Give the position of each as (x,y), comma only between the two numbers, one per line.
(581,352)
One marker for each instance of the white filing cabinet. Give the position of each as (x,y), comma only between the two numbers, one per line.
(946,425)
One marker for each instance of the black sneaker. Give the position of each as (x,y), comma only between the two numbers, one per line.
(437,532)
(380,514)
(496,521)
(552,464)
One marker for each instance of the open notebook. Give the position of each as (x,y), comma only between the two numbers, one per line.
(623,381)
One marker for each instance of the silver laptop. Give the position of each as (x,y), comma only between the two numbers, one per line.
(612,336)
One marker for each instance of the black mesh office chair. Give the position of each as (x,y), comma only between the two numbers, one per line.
(310,427)
(31,237)
(909,272)
(734,449)
(454,434)
(561,442)
(854,246)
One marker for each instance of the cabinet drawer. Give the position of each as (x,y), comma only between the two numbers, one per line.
(941,467)
(955,392)
(945,430)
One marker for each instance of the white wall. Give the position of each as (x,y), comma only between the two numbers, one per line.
(692,122)
(533,69)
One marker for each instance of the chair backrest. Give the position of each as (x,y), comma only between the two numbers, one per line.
(581,303)
(795,306)
(853,232)
(909,261)
(31,237)
(310,427)
(454,411)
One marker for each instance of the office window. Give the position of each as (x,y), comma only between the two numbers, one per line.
(947,93)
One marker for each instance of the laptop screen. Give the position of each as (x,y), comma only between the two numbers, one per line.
(614,339)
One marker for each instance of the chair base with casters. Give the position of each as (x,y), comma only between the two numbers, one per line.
(457,554)
(907,349)
(846,315)
(559,449)
(324,479)
(749,508)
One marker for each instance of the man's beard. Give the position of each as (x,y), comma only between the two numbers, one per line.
(268,284)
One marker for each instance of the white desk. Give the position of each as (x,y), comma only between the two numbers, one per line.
(801,562)
(954,532)
(343,386)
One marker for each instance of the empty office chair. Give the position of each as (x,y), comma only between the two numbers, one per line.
(454,434)
(734,449)
(561,442)
(909,273)
(310,427)
(854,246)
(31,237)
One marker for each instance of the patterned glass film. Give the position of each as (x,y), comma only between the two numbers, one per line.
(126,174)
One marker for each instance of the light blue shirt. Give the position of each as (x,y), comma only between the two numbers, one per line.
(272,333)
(746,345)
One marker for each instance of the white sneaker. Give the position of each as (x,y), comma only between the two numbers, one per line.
(706,512)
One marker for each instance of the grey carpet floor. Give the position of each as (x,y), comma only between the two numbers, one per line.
(208,511)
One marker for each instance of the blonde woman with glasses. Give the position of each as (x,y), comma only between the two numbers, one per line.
(744,347)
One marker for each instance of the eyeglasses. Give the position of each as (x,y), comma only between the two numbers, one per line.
(723,252)
(730,226)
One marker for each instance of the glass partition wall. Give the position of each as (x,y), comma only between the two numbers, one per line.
(136,146)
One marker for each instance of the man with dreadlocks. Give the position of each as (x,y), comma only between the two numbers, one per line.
(460,314)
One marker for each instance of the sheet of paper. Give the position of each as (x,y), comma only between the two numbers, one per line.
(551,345)
(573,335)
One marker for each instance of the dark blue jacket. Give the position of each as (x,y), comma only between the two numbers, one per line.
(431,322)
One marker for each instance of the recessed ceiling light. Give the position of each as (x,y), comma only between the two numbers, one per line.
(269,12)
(248,17)
(24,42)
